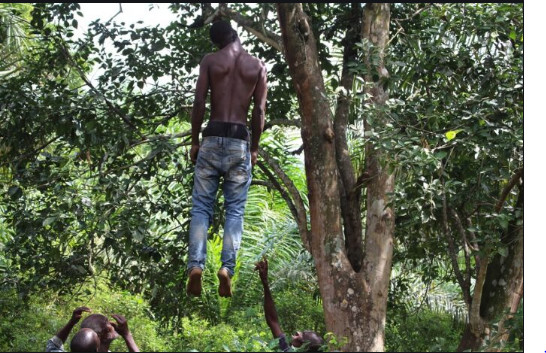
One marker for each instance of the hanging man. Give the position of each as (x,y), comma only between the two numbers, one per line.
(228,151)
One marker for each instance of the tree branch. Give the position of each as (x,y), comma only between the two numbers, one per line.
(349,192)
(466,245)
(474,314)
(452,250)
(266,36)
(513,181)
(110,105)
(283,122)
(299,212)
(119,11)
(267,184)
(276,185)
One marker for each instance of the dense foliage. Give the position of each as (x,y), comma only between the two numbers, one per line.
(95,176)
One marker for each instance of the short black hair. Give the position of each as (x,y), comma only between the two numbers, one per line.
(86,340)
(222,33)
(97,323)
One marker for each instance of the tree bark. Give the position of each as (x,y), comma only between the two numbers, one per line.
(352,308)
(350,192)
(502,288)
(379,215)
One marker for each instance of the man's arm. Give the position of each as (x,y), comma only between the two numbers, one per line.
(258,113)
(198,111)
(76,316)
(269,306)
(55,344)
(122,328)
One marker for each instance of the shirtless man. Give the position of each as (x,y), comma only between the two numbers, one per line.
(228,150)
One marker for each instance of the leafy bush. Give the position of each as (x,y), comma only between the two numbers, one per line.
(425,331)
(199,335)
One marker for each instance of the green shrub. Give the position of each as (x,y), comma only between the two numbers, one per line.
(199,335)
(425,331)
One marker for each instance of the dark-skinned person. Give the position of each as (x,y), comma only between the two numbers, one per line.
(227,151)
(308,341)
(108,331)
(95,334)
(86,340)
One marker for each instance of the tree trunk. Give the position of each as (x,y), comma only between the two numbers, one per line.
(502,289)
(350,191)
(379,216)
(352,308)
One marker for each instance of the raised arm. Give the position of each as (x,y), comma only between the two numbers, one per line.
(269,306)
(55,344)
(198,111)
(122,328)
(76,316)
(258,113)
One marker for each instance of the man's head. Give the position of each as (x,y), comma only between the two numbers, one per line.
(86,340)
(311,338)
(100,324)
(221,33)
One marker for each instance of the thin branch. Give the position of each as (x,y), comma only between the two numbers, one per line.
(263,182)
(119,11)
(283,122)
(513,181)
(111,105)
(266,36)
(466,245)
(33,151)
(276,185)
(148,139)
(300,214)
(452,249)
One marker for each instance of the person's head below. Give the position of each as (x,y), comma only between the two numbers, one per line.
(86,340)
(100,324)
(310,338)
(221,34)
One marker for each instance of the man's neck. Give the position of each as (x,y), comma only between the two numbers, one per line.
(234,46)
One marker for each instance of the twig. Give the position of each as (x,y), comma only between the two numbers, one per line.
(119,11)
(515,178)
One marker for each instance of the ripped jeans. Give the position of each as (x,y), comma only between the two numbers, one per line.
(219,157)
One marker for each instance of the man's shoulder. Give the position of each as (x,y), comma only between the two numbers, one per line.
(207,58)
(257,61)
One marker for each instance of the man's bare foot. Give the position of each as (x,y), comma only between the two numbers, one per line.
(224,289)
(194,282)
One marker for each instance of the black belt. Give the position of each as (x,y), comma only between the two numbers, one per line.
(227,129)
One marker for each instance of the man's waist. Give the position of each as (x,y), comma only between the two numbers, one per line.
(226,129)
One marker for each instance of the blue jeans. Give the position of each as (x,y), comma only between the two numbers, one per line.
(219,157)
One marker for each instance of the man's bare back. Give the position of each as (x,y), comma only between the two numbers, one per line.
(235,79)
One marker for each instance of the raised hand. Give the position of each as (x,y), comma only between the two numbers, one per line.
(120,325)
(77,313)
(261,267)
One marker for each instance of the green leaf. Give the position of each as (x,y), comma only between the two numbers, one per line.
(440,155)
(48,221)
(450,135)
(513,35)
(13,190)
